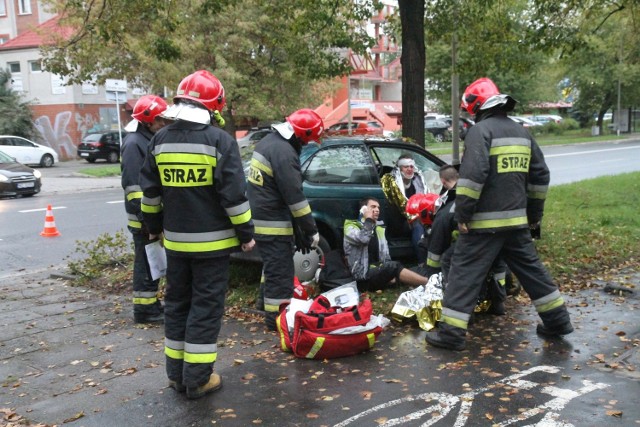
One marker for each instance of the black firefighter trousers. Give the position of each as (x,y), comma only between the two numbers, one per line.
(194,306)
(474,255)
(277,270)
(145,290)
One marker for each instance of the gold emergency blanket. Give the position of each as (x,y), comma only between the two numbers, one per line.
(423,303)
(393,194)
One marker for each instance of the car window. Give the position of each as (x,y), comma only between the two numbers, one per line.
(21,143)
(374,124)
(93,137)
(387,156)
(341,164)
(5,141)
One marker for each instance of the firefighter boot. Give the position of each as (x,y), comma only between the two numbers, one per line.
(177,386)
(556,323)
(153,313)
(447,337)
(270,320)
(214,384)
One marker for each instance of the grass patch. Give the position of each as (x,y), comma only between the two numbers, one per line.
(591,226)
(101,171)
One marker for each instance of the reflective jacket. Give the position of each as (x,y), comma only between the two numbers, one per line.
(503,177)
(194,190)
(134,149)
(357,235)
(275,190)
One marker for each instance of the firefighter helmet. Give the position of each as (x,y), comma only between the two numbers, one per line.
(484,94)
(203,88)
(148,108)
(307,125)
(424,206)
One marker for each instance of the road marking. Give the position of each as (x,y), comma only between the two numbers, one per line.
(445,402)
(115,201)
(42,209)
(546,156)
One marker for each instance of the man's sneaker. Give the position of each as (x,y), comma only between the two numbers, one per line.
(148,318)
(437,340)
(177,386)
(564,329)
(214,383)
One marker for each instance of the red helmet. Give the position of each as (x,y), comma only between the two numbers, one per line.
(477,93)
(423,205)
(148,108)
(307,125)
(203,88)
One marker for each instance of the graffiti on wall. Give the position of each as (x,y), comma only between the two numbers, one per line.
(57,135)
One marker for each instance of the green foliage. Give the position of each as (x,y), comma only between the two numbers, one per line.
(96,257)
(15,115)
(268,55)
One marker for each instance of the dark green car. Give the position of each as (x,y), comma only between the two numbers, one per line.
(338,173)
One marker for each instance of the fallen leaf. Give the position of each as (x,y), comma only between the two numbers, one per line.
(616,414)
(75,417)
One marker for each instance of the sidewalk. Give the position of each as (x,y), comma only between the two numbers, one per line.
(74,355)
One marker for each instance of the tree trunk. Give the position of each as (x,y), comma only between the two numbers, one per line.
(413,63)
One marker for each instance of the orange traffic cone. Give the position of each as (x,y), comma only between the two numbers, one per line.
(50,229)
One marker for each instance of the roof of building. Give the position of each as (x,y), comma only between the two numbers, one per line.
(43,34)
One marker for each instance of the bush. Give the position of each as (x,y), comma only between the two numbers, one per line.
(107,252)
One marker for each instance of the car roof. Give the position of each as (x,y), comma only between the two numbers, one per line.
(311,148)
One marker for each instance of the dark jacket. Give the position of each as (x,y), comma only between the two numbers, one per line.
(134,149)
(275,190)
(503,177)
(194,190)
(441,236)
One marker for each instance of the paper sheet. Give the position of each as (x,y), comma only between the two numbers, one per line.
(157,259)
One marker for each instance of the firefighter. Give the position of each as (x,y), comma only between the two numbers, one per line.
(500,196)
(146,122)
(194,195)
(281,212)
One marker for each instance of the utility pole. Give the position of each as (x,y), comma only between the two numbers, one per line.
(455,109)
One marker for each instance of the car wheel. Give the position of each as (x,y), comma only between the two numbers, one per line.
(113,157)
(91,160)
(439,137)
(46,161)
(29,195)
(306,265)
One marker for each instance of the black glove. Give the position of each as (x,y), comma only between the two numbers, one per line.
(303,243)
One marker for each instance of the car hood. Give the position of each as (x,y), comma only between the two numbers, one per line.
(15,169)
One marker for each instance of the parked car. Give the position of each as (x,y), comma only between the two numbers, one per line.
(17,179)
(253,136)
(337,174)
(358,127)
(438,128)
(545,118)
(28,152)
(525,122)
(105,146)
(464,125)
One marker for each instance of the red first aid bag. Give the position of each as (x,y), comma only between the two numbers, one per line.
(327,332)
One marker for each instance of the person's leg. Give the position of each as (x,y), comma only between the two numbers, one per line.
(417,233)
(146,307)
(496,291)
(473,255)
(412,278)
(522,258)
(278,270)
(177,305)
(209,287)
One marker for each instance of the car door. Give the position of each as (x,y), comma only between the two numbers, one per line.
(336,177)
(22,150)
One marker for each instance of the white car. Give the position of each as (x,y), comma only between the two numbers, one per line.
(525,122)
(28,152)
